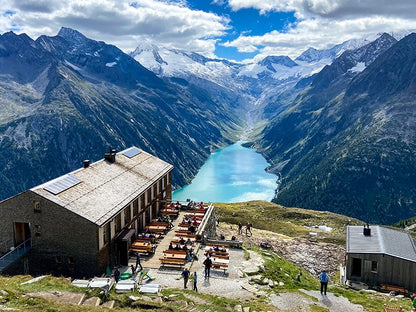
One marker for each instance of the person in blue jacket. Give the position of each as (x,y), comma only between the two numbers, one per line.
(324,279)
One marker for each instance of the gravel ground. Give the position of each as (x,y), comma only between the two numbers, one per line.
(228,285)
(231,285)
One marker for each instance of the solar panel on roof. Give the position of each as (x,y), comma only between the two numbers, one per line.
(131,152)
(62,184)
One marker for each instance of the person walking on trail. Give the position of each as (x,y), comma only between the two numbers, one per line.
(194,278)
(138,261)
(248,228)
(324,279)
(240,228)
(116,274)
(185,275)
(207,263)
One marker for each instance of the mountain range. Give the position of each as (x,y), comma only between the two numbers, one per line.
(347,143)
(68,98)
(337,125)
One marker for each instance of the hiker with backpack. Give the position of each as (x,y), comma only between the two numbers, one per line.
(324,279)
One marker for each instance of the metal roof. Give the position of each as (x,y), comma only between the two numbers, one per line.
(106,188)
(381,241)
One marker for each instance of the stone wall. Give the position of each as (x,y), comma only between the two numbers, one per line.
(208,227)
(62,242)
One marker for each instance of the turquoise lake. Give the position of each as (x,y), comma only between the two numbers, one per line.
(232,174)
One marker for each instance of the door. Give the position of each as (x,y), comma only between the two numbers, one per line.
(21,232)
(356,267)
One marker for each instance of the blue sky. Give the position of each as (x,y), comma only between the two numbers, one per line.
(232,29)
(245,21)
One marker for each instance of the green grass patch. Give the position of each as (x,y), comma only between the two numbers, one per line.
(278,269)
(315,308)
(292,222)
(372,302)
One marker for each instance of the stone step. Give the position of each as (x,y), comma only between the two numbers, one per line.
(92,302)
(109,304)
(249,288)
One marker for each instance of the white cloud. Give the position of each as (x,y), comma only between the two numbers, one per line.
(331,8)
(323,23)
(120,22)
(319,33)
(171,23)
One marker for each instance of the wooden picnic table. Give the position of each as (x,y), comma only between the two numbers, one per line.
(197,215)
(147,239)
(174,255)
(141,244)
(191,237)
(172,261)
(211,248)
(170,212)
(166,224)
(182,229)
(156,228)
(220,263)
(175,251)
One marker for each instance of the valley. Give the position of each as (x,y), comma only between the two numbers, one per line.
(337,125)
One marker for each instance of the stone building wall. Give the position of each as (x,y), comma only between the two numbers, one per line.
(62,242)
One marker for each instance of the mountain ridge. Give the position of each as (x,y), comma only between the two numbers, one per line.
(332,155)
(65,102)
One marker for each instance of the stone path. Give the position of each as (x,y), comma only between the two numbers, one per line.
(235,284)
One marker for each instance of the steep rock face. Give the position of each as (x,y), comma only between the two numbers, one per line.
(348,143)
(67,98)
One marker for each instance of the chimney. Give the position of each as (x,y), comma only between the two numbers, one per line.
(367,230)
(110,156)
(86,163)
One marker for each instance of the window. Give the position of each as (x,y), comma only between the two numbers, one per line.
(136,207)
(106,233)
(71,260)
(149,195)
(374,266)
(142,202)
(118,223)
(154,190)
(36,206)
(37,230)
(58,259)
(160,185)
(127,214)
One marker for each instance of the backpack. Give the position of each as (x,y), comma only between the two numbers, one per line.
(324,278)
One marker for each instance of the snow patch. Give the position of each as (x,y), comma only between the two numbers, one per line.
(110,64)
(358,68)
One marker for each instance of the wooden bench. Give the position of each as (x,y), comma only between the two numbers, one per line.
(142,249)
(183,232)
(213,255)
(146,239)
(170,212)
(217,253)
(229,243)
(175,251)
(185,235)
(220,266)
(159,223)
(398,289)
(392,309)
(170,261)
